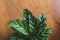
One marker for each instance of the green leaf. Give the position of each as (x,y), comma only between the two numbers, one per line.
(41,24)
(30,19)
(19,27)
(42,21)
(44,34)
(16,37)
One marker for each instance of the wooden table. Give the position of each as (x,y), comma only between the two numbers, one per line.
(13,9)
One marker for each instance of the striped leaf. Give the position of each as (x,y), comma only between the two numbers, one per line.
(42,21)
(19,27)
(16,37)
(30,19)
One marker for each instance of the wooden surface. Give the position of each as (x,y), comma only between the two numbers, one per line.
(13,9)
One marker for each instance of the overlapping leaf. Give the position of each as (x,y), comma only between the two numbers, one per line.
(30,28)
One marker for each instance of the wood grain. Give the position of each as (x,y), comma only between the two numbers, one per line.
(13,9)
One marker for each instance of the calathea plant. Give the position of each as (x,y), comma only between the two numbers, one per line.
(30,28)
